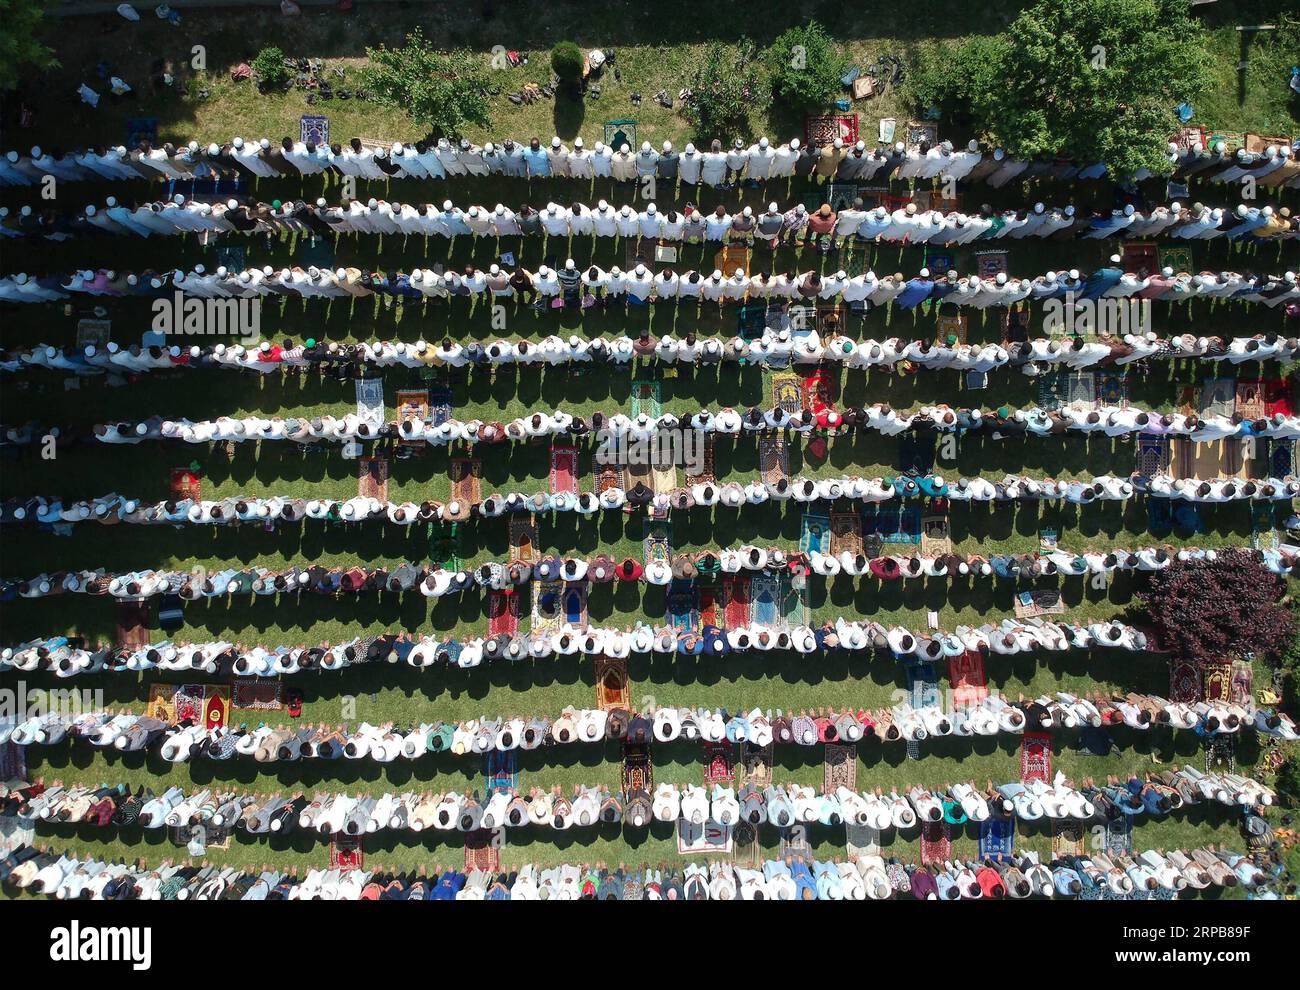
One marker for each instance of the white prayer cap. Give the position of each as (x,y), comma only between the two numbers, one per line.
(1167,272)
(543,270)
(568,264)
(794,143)
(600,146)
(1128,210)
(910,209)
(193,146)
(231,204)
(1217,213)
(898,146)
(925,273)
(1220,147)
(132,280)
(499,209)
(667,147)
(749,212)
(1197,280)
(1074,273)
(1001,279)
(645,147)
(1267,211)
(1049,277)
(1114,259)
(1069,211)
(417,276)
(11,155)
(243,277)
(36,151)
(1241,209)
(214,148)
(839,142)
(690,148)
(264,143)
(320,201)
(446,204)
(268,270)
(1285,151)
(972,145)
(577,142)
(640,269)
(717,274)
(771,207)
(999,154)
(740,273)
(1038,207)
(652,209)
(555,142)
(762,142)
(90,211)
(199,269)
(21,278)
(178,199)
(1175,207)
(221,270)
(1173,148)
(602,205)
(373,204)
(494,269)
(946,146)
(625,148)
(110,201)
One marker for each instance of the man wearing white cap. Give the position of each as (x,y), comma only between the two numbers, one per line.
(604,220)
(629,226)
(623,165)
(470,156)
(847,222)
(853,165)
(555,221)
(713,168)
(602,161)
(451,164)
(646,159)
(559,157)
(690,164)
(737,161)
(666,167)
(580,161)
(714,287)
(513,162)
(1106,226)
(1059,220)
(251,156)
(651,223)
(783,159)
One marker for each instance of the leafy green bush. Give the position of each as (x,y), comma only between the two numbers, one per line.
(805,66)
(1287,784)
(567,61)
(270,69)
(19,46)
(725,87)
(443,90)
(1093,80)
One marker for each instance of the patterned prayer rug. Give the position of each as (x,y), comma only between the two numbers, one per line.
(815,532)
(1119,836)
(1218,396)
(646,399)
(372,478)
(132,624)
(786,392)
(575,603)
(951,328)
(501,771)
(1250,398)
(823,129)
(794,601)
(465,473)
(936,842)
(548,614)
(638,771)
(736,600)
(216,705)
(346,852)
(503,612)
(765,593)
(483,850)
(1036,757)
(613,684)
(1184,681)
(370,400)
(1142,258)
(707,471)
(259,695)
(936,537)
(1220,753)
(846,532)
(967,678)
(564,469)
(773,459)
(1216,680)
(1242,688)
(923,684)
(719,763)
(1045,601)
(1067,838)
(756,764)
(523,537)
(991,264)
(186,484)
(840,768)
(997,838)
(657,540)
(439,401)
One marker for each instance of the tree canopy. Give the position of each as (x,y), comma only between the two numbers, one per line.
(19,47)
(805,66)
(1092,80)
(444,90)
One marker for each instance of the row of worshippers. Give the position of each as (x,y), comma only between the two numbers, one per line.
(1275,167)
(824,225)
(1147,875)
(783,806)
(59,655)
(574,287)
(189,740)
(252,159)
(622,430)
(775,347)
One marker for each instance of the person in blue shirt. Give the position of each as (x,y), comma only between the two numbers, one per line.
(1102,280)
(916,291)
(447,887)
(536,159)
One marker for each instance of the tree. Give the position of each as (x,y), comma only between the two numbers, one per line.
(446,91)
(19,48)
(567,61)
(1220,609)
(1092,80)
(1287,784)
(270,69)
(805,66)
(726,86)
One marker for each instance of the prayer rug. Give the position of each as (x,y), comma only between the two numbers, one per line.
(216,705)
(575,603)
(1152,455)
(1112,388)
(1218,397)
(607,476)
(921,131)
(1177,257)
(638,770)
(162,702)
(186,484)
(646,399)
(370,400)
(1263,526)
(785,392)
(439,405)
(967,678)
(840,768)
(613,686)
(412,404)
(719,763)
(794,842)
(708,606)
(936,536)
(749,851)
(815,533)
(840,195)
(751,320)
(634,474)
(893,523)
(523,537)
(372,478)
(189,702)
(846,533)
(1216,680)
(1081,390)
(657,540)
(708,838)
(707,471)
(1036,757)
(1220,753)
(1281,458)
(346,852)
(1187,137)
(1119,836)
(951,329)
(1142,258)
(483,850)
(503,612)
(773,459)
(818,390)
(756,764)
(1241,691)
(564,469)
(663,478)
(736,600)
(860,840)
(730,258)
(1258,144)
(1184,681)
(1067,838)
(923,685)
(94,332)
(1050,389)
(263,696)
(547,616)
(465,473)
(1015,323)
(991,264)
(132,624)
(936,842)
(823,129)
(997,838)
(501,772)
(1277,397)
(1045,601)
(141,129)
(793,602)
(683,606)
(1250,398)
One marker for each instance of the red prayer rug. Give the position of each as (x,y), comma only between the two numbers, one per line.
(564,469)
(736,591)
(718,764)
(1036,757)
(503,612)
(936,842)
(967,678)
